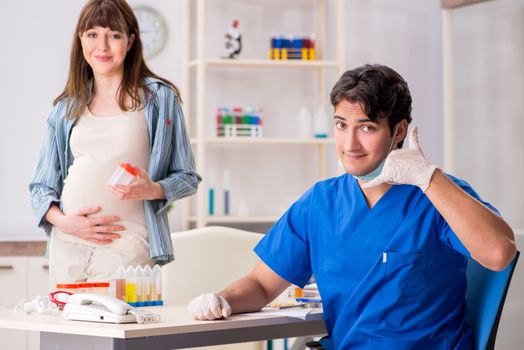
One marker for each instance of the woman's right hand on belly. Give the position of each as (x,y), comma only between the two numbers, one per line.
(77,223)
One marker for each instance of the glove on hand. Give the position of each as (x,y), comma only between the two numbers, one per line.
(209,306)
(406,166)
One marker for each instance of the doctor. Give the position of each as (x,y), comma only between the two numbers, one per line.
(387,241)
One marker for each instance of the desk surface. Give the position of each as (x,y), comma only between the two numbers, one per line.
(174,320)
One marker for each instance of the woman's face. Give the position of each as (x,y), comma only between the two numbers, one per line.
(105,50)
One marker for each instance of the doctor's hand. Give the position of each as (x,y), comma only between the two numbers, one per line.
(98,230)
(209,306)
(142,188)
(406,166)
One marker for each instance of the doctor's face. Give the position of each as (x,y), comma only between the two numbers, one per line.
(361,143)
(105,50)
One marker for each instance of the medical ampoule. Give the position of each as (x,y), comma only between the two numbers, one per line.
(130,286)
(146,286)
(157,283)
(120,283)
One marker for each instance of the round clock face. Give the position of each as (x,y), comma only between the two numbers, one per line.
(153,30)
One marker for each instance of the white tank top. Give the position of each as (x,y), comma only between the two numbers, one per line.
(98,145)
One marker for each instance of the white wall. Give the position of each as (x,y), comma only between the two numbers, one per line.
(488,90)
(35,38)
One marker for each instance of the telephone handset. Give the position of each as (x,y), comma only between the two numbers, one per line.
(103,308)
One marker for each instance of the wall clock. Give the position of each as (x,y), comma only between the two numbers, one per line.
(153,30)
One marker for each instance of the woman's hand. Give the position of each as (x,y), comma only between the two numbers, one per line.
(140,189)
(77,223)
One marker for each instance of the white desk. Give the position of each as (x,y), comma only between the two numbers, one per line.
(175,331)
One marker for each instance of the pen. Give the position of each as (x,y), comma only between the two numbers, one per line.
(309,300)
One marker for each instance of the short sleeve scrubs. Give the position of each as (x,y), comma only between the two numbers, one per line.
(390,277)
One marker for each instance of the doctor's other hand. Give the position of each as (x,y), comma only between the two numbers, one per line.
(406,166)
(209,306)
(142,188)
(97,230)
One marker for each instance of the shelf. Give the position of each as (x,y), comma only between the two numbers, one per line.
(203,75)
(237,219)
(224,141)
(252,63)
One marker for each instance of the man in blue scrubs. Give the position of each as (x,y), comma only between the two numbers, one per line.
(387,241)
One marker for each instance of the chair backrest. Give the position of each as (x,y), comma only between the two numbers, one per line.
(207,259)
(485,296)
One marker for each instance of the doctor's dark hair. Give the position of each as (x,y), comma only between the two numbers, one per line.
(119,16)
(381,92)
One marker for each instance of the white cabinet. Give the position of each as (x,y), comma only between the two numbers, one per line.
(21,278)
(13,271)
(265,174)
(14,283)
(37,284)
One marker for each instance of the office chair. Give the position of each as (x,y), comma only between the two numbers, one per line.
(485,296)
(207,260)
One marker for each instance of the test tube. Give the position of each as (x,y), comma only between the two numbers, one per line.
(120,283)
(146,286)
(156,286)
(130,286)
(139,286)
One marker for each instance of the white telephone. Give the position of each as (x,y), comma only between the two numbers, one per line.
(103,308)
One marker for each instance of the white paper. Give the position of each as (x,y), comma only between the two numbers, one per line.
(297,312)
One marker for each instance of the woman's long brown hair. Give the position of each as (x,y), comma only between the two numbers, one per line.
(116,15)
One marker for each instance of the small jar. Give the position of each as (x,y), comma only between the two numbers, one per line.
(124,174)
(101,288)
(86,287)
(68,287)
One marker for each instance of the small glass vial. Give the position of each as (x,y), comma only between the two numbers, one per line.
(124,174)
(130,286)
(146,286)
(156,286)
(120,283)
(140,297)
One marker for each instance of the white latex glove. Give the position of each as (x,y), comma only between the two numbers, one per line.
(406,166)
(209,306)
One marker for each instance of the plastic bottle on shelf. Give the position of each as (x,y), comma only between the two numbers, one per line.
(304,123)
(226,184)
(321,123)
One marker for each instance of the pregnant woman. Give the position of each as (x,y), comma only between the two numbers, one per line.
(113,109)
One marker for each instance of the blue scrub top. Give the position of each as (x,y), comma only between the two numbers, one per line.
(390,277)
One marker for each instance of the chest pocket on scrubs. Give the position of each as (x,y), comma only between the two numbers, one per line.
(405,274)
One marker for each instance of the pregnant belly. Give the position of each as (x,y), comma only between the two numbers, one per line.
(75,197)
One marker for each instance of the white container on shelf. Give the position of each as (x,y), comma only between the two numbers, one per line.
(304,123)
(321,123)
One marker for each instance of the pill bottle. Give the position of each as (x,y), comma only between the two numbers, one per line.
(100,288)
(124,174)
(67,287)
